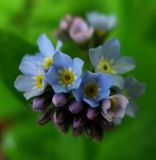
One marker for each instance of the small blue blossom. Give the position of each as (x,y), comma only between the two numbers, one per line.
(47,51)
(132,89)
(101,22)
(106,59)
(94,87)
(65,74)
(32,82)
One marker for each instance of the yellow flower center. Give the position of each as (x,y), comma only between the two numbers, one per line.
(105,66)
(48,62)
(67,77)
(91,90)
(39,80)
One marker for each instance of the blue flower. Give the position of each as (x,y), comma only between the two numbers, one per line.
(132,89)
(101,22)
(47,51)
(32,82)
(65,73)
(106,59)
(94,87)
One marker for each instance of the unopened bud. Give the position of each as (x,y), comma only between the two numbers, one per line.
(92,113)
(75,107)
(59,99)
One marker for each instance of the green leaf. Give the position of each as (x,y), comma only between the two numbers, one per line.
(12,49)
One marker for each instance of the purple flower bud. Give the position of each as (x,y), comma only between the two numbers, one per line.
(92,113)
(79,31)
(66,22)
(58,117)
(59,99)
(40,103)
(78,122)
(75,107)
(45,117)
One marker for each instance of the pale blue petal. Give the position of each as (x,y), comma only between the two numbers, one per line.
(78,94)
(134,88)
(76,84)
(60,88)
(45,46)
(58,46)
(52,76)
(33,93)
(24,83)
(95,55)
(62,60)
(131,109)
(124,64)
(111,50)
(91,102)
(118,81)
(77,66)
(105,80)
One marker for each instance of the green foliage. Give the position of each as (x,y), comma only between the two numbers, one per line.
(21,22)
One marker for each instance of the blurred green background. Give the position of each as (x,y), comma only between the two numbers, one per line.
(21,22)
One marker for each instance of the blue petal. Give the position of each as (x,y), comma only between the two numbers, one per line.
(58,46)
(78,94)
(31,65)
(62,60)
(77,66)
(24,83)
(33,93)
(45,46)
(91,102)
(131,109)
(118,81)
(134,88)
(52,76)
(76,84)
(123,65)
(95,55)
(111,50)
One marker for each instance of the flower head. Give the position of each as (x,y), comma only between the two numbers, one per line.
(47,51)
(101,22)
(106,59)
(65,74)
(114,107)
(80,31)
(32,82)
(94,87)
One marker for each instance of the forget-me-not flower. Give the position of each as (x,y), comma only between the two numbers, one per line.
(32,82)
(106,59)
(94,87)
(65,73)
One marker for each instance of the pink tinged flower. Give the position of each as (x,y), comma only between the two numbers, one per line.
(66,22)
(114,108)
(80,31)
